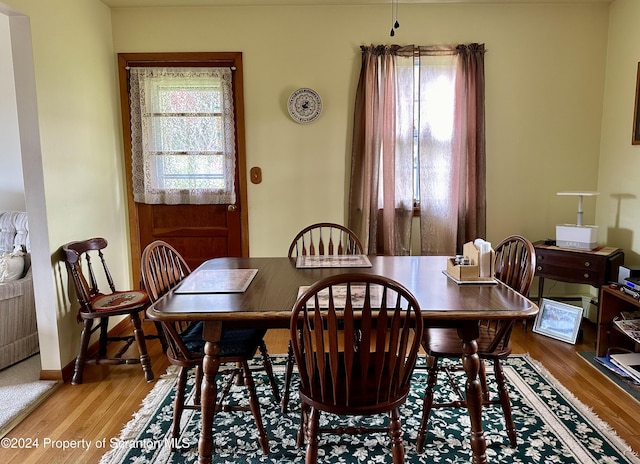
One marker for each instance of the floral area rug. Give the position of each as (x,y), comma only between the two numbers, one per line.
(553,427)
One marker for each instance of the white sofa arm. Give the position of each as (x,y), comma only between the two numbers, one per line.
(18,327)
(17,288)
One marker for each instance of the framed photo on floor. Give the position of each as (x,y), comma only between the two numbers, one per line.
(558,320)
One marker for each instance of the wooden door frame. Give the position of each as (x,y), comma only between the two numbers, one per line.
(231,59)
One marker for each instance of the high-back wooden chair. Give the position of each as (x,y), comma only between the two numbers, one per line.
(320,239)
(514,266)
(325,238)
(162,269)
(355,339)
(515,263)
(96,304)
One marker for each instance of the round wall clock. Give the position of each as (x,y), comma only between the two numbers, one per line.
(304,105)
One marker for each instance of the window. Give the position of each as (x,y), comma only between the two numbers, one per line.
(185,118)
(418,147)
(184,144)
(433,106)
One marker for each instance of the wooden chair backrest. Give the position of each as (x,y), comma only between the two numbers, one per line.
(84,279)
(163,268)
(515,263)
(325,238)
(355,338)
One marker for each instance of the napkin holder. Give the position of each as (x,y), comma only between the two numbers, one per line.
(470,272)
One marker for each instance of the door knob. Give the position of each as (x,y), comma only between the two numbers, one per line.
(232,208)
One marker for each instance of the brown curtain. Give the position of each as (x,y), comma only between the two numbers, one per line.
(472,207)
(451,167)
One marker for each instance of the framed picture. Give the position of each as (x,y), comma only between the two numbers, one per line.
(558,320)
(635,140)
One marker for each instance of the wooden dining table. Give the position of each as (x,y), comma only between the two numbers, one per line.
(272,292)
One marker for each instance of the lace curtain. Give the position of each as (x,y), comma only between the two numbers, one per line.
(419,135)
(182,135)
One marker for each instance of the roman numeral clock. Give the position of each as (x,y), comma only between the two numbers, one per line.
(305,105)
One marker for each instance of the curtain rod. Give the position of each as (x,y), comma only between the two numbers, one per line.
(149,64)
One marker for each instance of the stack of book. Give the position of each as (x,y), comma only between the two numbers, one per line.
(629,363)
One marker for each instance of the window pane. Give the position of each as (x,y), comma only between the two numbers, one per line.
(437,98)
(182,96)
(434,116)
(188,172)
(185,134)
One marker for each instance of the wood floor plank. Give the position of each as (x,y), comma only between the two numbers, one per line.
(99,408)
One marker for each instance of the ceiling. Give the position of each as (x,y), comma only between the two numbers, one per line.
(158,3)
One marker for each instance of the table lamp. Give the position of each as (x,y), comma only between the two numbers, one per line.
(577,235)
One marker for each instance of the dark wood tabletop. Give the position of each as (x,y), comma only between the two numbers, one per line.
(268,300)
(272,293)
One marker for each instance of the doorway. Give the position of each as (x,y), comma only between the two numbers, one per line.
(198,231)
(29,151)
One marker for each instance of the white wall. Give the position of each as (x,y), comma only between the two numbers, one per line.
(544,73)
(24,118)
(80,186)
(545,99)
(618,210)
(11,184)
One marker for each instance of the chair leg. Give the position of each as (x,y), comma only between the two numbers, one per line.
(432,378)
(254,404)
(505,402)
(104,337)
(197,396)
(288,373)
(311,436)
(81,359)
(397,449)
(302,430)
(178,405)
(161,336)
(138,333)
(226,388)
(268,368)
(482,375)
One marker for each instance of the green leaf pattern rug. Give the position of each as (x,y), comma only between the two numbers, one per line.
(553,427)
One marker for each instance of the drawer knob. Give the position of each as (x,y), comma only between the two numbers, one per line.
(539,268)
(587,264)
(586,276)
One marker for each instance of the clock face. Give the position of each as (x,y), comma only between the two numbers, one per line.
(304,105)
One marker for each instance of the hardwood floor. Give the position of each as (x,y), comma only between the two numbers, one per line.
(98,409)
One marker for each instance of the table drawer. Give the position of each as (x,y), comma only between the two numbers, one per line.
(571,267)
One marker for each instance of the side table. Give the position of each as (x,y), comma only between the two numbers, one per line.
(595,267)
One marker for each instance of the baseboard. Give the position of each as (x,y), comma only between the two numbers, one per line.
(50,374)
(66,372)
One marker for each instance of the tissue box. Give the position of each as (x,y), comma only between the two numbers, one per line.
(471,271)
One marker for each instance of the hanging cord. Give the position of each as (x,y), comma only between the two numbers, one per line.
(394,17)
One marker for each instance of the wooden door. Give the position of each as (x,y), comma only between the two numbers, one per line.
(198,232)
